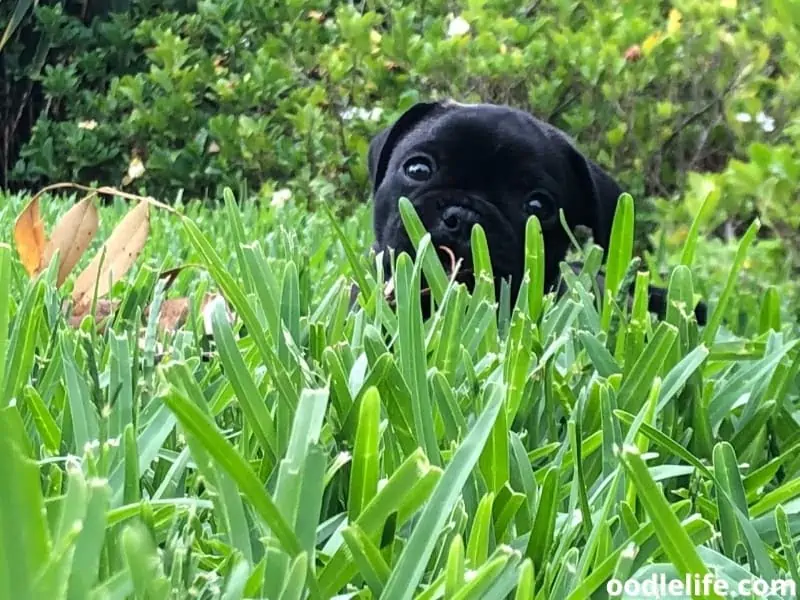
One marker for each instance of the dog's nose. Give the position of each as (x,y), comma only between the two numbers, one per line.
(455,223)
(451,219)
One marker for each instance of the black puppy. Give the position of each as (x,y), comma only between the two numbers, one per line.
(495,165)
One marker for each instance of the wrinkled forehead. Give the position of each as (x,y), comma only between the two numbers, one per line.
(477,132)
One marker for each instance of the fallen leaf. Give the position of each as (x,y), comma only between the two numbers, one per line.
(173,314)
(103,310)
(71,237)
(121,249)
(30,238)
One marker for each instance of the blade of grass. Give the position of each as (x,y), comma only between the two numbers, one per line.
(20,348)
(367,556)
(23,529)
(250,399)
(534,267)
(431,265)
(199,425)
(411,564)
(674,539)
(690,244)
(366,455)
(411,350)
(717,314)
(619,253)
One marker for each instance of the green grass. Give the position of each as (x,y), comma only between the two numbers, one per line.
(365,454)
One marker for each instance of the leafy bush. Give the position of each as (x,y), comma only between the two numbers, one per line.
(366,452)
(237,92)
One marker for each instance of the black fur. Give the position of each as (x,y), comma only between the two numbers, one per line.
(488,162)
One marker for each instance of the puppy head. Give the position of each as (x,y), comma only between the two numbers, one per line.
(495,165)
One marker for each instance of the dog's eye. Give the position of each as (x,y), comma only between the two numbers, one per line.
(540,204)
(418,168)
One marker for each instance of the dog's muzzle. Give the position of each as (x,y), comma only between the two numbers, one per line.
(448,216)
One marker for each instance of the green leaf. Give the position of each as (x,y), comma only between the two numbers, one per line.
(366,455)
(411,350)
(89,544)
(250,399)
(431,265)
(407,488)
(478,543)
(676,543)
(21,346)
(787,544)
(526,581)
(710,200)
(534,267)
(636,385)
(144,564)
(199,425)
(46,425)
(85,426)
(620,252)
(770,315)
(715,320)
(25,543)
(411,564)
(367,556)
(544,523)
(454,570)
(728,478)
(237,228)
(17,18)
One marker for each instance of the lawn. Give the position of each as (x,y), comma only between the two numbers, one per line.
(555,449)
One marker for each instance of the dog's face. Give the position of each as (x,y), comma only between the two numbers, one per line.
(465,164)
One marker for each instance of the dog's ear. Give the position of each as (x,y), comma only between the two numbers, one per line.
(381,146)
(602,192)
(594,191)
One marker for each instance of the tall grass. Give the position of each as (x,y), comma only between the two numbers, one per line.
(366,453)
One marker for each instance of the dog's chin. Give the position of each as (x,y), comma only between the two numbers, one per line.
(457,266)
(460,270)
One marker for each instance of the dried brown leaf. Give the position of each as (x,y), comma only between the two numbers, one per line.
(121,250)
(30,238)
(72,236)
(173,314)
(103,310)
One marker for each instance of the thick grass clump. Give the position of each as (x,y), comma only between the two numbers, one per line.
(304,449)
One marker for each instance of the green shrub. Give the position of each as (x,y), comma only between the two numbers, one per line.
(240,93)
